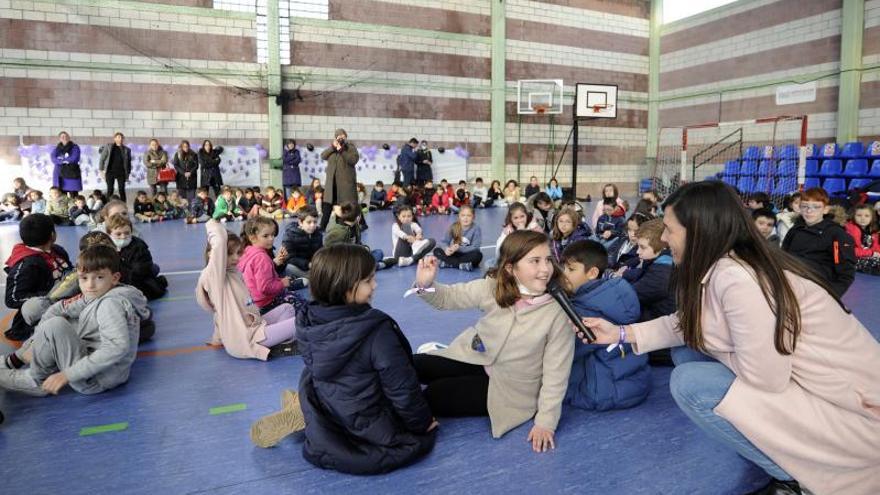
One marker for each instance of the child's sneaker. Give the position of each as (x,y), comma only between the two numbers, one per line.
(283,349)
(444,264)
(466,266)
(299,284)
(430,347)
(271,429)
(405,261)
(21,381)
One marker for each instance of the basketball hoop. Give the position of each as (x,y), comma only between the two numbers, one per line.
(540,109)
(600,108)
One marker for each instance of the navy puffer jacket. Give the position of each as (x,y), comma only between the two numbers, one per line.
(363,405)
(601,380)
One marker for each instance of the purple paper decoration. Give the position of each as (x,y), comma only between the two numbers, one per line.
(241,150)
(263,153)
(258,146)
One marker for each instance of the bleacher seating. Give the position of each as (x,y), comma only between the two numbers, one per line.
(745,185)
(831,168)
(812,168)
(853,149)
(767,168)
(858,183)
(856,168)
(788,168)
(834,185)
(874,173)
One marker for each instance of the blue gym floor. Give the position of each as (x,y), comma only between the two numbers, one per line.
(174,445)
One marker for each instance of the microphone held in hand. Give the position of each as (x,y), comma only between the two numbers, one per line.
(558,293)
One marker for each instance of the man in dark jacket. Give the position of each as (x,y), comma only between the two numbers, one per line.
(302,241)
(32,269)
(407,162)
(115,164)
(821,243)
(341,179)
(363,405)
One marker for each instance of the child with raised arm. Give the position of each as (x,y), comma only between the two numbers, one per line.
(221,291)
(513,364)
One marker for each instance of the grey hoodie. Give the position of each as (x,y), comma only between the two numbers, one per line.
(108,327)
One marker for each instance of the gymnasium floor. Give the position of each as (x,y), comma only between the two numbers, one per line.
(174,444)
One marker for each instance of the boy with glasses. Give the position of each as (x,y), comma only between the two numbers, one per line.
(821,243)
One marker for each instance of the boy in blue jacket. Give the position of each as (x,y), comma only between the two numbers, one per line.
(602,380)
(651,278)
(609,228)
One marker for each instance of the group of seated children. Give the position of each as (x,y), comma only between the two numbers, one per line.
(88,340)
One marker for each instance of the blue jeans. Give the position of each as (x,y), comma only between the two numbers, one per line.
(698,384)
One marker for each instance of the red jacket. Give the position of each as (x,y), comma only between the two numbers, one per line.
(856,233)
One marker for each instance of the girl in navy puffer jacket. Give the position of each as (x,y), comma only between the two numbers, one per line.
(359,395)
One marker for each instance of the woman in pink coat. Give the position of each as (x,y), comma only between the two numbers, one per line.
(775,366)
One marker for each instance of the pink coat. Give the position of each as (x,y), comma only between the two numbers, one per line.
(238,325)
(258,270)
(815,412)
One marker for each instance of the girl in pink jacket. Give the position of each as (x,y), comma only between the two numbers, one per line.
(267,288)
(238,325)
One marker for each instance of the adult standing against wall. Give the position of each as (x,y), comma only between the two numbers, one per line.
(66,175)
(775,367)
(115,164)
(290,174)
(406,161)
(424,162)
(186,162)
(155,159)
(209,161)
(341,180)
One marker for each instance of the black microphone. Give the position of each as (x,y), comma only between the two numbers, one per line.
(558,293)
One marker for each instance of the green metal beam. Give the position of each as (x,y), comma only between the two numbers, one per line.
(499,92)
(273,71)
(853,28)
(654,77)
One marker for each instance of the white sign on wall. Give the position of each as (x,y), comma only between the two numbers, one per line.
(796,93)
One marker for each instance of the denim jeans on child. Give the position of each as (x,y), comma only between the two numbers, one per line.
(698,384)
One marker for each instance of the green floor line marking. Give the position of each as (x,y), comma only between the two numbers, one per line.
(94,430)
(227,409)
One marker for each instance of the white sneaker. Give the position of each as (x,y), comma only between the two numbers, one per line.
(405,261)
(21,381)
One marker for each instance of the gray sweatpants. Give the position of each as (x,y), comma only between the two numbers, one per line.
(56,347)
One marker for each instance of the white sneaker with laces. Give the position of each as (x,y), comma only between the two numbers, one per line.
(405,261)
(21,381)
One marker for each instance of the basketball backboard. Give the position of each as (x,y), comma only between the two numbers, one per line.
(597,101)
(539,96)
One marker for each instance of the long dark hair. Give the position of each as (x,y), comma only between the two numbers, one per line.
(717,224)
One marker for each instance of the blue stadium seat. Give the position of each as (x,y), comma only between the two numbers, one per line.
(785,186)
(834,186)
(829,150)
(812,168)
(875,170)
(731,168)
(812,182)
(856,168)
(766,168)
(853,149)
(749,168)
(764,184)
(788,168)
(752,153)
(859,183)
(787,152)
(812,151)
(745,185)
(831,168)
(730,180)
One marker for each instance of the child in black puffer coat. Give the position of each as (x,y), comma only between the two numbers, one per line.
(359,400)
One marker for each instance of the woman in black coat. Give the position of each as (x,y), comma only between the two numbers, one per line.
(186,162)
(209,161)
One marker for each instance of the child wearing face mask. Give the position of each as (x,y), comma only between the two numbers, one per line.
(359,398)
(136,258)
(862,227)
(266,287)
(238,325)
(513,364)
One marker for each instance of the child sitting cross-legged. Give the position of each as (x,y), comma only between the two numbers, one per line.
(202,207)
(407,242)
(256,265)
(143,208)
(163,208)
(226,209)
(88,342)
(10,209)
(302,240)
(359,399)
(609,228)
(80,213)
(602,380)
(238,325)
(461,245)
(346,229)
(136,258)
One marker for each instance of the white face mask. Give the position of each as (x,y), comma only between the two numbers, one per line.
(121,243)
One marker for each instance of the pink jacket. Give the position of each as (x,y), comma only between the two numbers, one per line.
(259,274)
(856,233)
(238,325)
(815,412)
